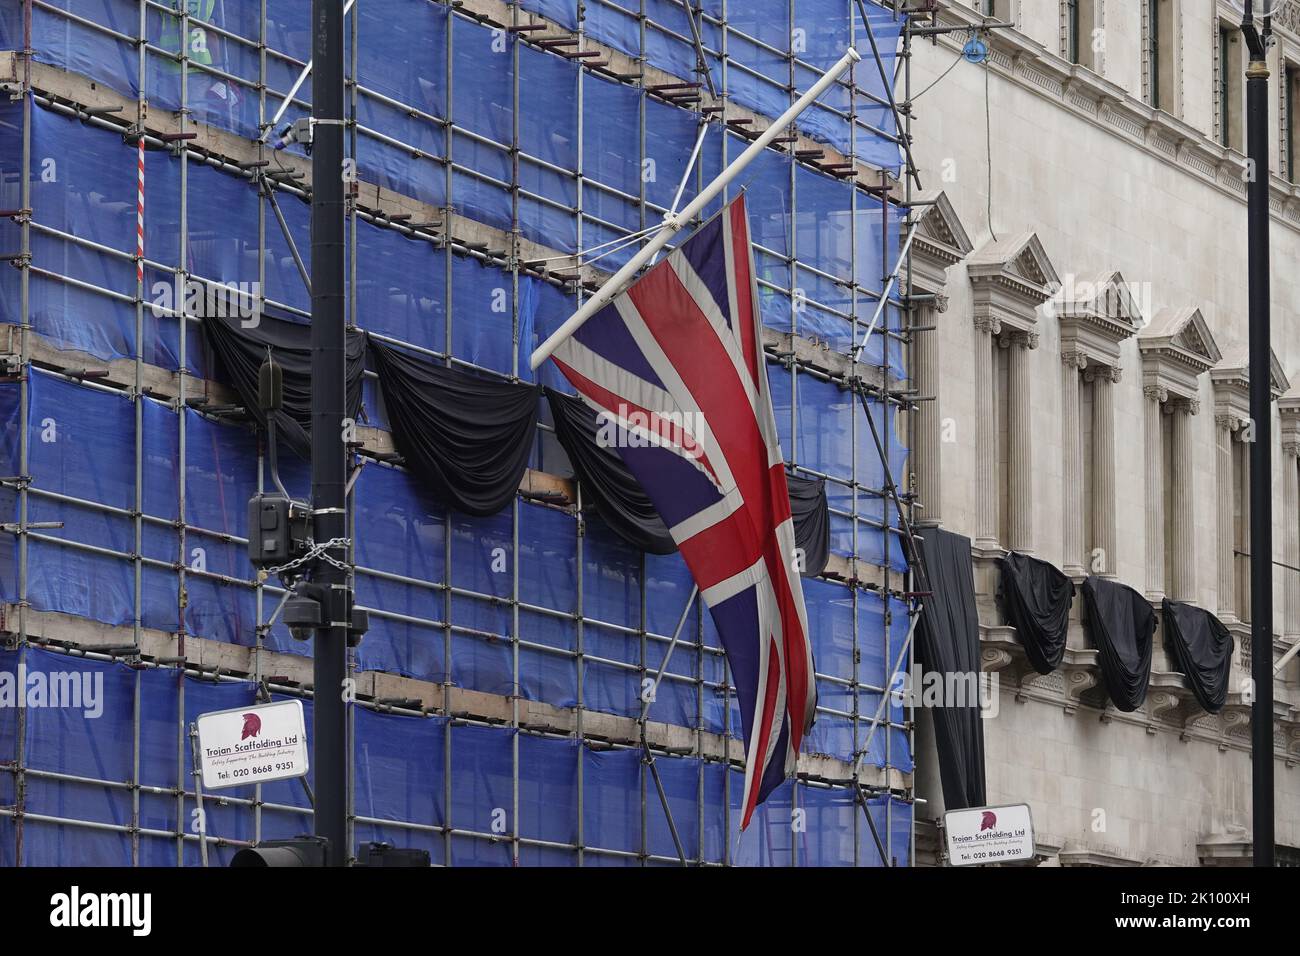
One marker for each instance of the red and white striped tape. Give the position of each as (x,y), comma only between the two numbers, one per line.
(139,219)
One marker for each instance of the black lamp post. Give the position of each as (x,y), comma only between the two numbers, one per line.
(1261,449)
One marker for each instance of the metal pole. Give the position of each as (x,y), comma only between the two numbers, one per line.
(674,224)
(297,85)
(1261,449)
(328,407)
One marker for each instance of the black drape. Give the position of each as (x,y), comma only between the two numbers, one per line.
(1035,598)
(240,352)
(613,492)
(1202,647)
(812,521)
(608,486)
(948,643)
(467,436)
(1120,624)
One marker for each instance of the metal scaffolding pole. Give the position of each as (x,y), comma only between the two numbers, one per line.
(187,534)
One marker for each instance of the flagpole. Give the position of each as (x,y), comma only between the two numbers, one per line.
(674,223)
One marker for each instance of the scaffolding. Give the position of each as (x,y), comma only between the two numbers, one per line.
(507,156)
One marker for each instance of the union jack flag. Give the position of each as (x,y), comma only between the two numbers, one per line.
(676,364)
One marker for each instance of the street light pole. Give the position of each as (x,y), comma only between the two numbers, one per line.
(1261,449)
(328,410)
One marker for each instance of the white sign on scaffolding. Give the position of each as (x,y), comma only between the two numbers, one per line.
(250,745)
(983,835)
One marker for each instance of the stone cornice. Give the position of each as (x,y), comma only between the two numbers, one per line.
(1177,348)
(1231,380)
(1009,279)
(1096,315)
(1093,99)
(940,242)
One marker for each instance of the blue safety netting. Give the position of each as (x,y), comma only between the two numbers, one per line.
(532,601)
(419,781)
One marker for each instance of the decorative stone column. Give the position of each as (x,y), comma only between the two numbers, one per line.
(986,328)
(1020,521)
(1288,407)
(927,455)
(1103,469)
(1224,428)
(938,242)
(1096,314)
(1072,562)
(1182,531)
(1291,537)
(1177,349)
(1154,398)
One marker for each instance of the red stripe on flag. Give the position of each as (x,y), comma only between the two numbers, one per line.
(745,306)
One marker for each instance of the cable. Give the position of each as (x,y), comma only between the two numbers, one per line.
(961,55)
(988,146)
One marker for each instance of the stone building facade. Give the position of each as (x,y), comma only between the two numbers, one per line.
(1086,247)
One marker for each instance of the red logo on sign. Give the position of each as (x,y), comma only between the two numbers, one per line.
(252,726)
(989,821)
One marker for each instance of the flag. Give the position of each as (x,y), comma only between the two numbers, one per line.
(674,367)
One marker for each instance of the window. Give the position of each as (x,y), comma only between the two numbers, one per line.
(1241,527)
(1290,121)
(1160,49)
(1080,29)
(1228,111)
(1072,30)
(1153,52)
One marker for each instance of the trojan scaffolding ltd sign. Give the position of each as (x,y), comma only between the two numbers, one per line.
(252,744)
(989,835)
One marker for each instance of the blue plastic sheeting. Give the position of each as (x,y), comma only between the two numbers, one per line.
(81,722)
(442,587)
(404,287)
(404,148)
(81,447)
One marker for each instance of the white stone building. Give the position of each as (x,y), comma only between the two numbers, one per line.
(1088,248)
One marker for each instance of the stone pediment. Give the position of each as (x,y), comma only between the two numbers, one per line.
(1009,279)
(1288,407)
(1231,378)
(1096,313)
(1177,347)
(940,242)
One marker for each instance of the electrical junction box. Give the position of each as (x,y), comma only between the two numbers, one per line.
(278,530)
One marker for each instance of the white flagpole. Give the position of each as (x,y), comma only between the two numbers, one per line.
(674,224)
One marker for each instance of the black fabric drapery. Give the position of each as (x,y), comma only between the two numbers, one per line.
(468,436)
(1035,598)
(1202,647)
(1120,624)
(615,494)
(949,637)
(812,521)
(241,350)
(608,486)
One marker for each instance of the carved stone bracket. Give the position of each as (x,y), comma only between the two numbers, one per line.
(1079,674)
(1162,704)
(1235,723)
(1210,725)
